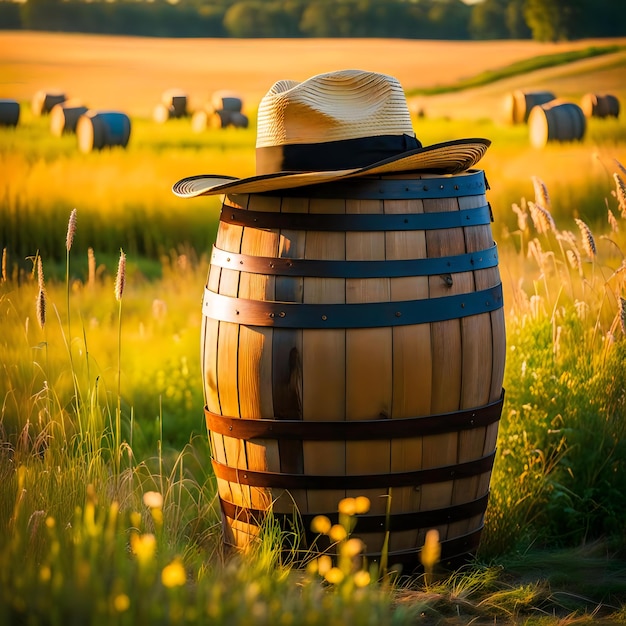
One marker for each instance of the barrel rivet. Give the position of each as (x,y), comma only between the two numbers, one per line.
(230,427)
(236,312)
(462,305)
(324,318)
(282,314)
(441,187)
(456,186)
(398,314)
(272,265)
(232,216)
(425,187)
(272,314)
(228,259)
(406,221)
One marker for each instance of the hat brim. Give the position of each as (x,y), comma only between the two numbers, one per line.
(450,157)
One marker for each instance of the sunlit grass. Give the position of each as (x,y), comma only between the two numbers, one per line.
(102,404)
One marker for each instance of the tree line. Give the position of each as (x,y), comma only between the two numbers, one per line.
(542,20)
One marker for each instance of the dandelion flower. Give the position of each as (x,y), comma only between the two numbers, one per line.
(143,546)
(71,230)
(346,506)
(352,547)
(174,575)
(362,578)
(324,563)
(431,551)
(120,279)
(320,525)
(121,602)
(334,576)
(153,499)
(361,505)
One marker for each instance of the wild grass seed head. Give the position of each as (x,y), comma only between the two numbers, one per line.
(620,193)
(4,277)
(621,305)
(613,222)
(120,279)
(522,217)
(41,295)
(588,242)
(71,230)
(541,193)
(542,218)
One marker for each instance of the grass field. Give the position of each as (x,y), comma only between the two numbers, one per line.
(108,512)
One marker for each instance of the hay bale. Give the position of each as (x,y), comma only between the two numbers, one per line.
(557,120)
(176,102)
(162,112)
(227,101)
(519,103)
(101,129)
(64,117)
(600,105)
(199,121)
(43,101)
(9,112)
(238,120)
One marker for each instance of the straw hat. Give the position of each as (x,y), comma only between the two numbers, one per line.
(334,126)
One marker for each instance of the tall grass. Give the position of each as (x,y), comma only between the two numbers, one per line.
(108,509)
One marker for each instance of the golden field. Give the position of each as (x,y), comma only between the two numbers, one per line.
(130,73)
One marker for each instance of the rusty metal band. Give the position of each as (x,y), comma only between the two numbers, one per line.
(392,268)
(355,315)
(361,222)
(354,430)
(394,522)
(277,480)
(471,183)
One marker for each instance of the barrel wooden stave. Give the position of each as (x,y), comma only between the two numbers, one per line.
(313,374)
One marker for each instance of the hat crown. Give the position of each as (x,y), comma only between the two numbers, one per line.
(335,106)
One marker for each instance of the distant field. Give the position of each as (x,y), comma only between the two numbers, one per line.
(130,73)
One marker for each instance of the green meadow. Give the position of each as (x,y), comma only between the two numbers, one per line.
(108,507)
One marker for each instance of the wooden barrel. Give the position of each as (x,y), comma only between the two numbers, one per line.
(519,103)
(353,344)
(9,112)
(600,105)
(43,101)
(557,120)
(100,129)
(64,117)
